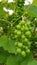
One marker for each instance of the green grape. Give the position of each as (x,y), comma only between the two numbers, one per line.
(29,43)
(26,40)
(20,44)
(26,28)
(28,50)
(28,33)
(30,28)
(22,29)
(15,31)
(22,22)
(23,53)
(23,36)
(18,32)
(18,50)
(28,23)
(16,36)
(18,27)
(26,47)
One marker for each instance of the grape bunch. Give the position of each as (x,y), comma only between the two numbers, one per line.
(22,35)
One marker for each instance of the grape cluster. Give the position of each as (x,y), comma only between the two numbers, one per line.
(22,35)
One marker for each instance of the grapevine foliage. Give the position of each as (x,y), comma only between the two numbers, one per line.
(18,33)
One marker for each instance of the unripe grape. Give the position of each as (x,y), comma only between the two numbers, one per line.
(23,53)
(28,50)
(20,45)
(28,33)
(22,22)
(16,36)
(22,29)
(22,32)
(15,31)
(23,37)
(30,28)
(29,43)
(26,47)
(26,40)
(18,32)
(18,50)
(26,28)
(18,27)
(28,23)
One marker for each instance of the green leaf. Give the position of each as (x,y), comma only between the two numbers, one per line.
(33,62)
(27,59)
(11,6)
(24,63)
(3,14)
(32,11)
(35,2)
(7,44)
(12,60)
(3,55)
(1,11)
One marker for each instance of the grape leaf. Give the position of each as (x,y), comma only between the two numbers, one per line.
(33,62)
(7,44)
(12,60)
(3,14)
(32,11)
(3,55)
(27,59)
(10,6)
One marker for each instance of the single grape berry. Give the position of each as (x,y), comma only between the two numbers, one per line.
(28,34)
(15,31)
(26,28)
(28,23)
(26,47)
(26,40)
(28,50)
(23,36)
(18,50)
(29,43)
(18,32)
(30,28)
(22,22)
(23,53)
(18,27)
(16,36)
(20,44)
